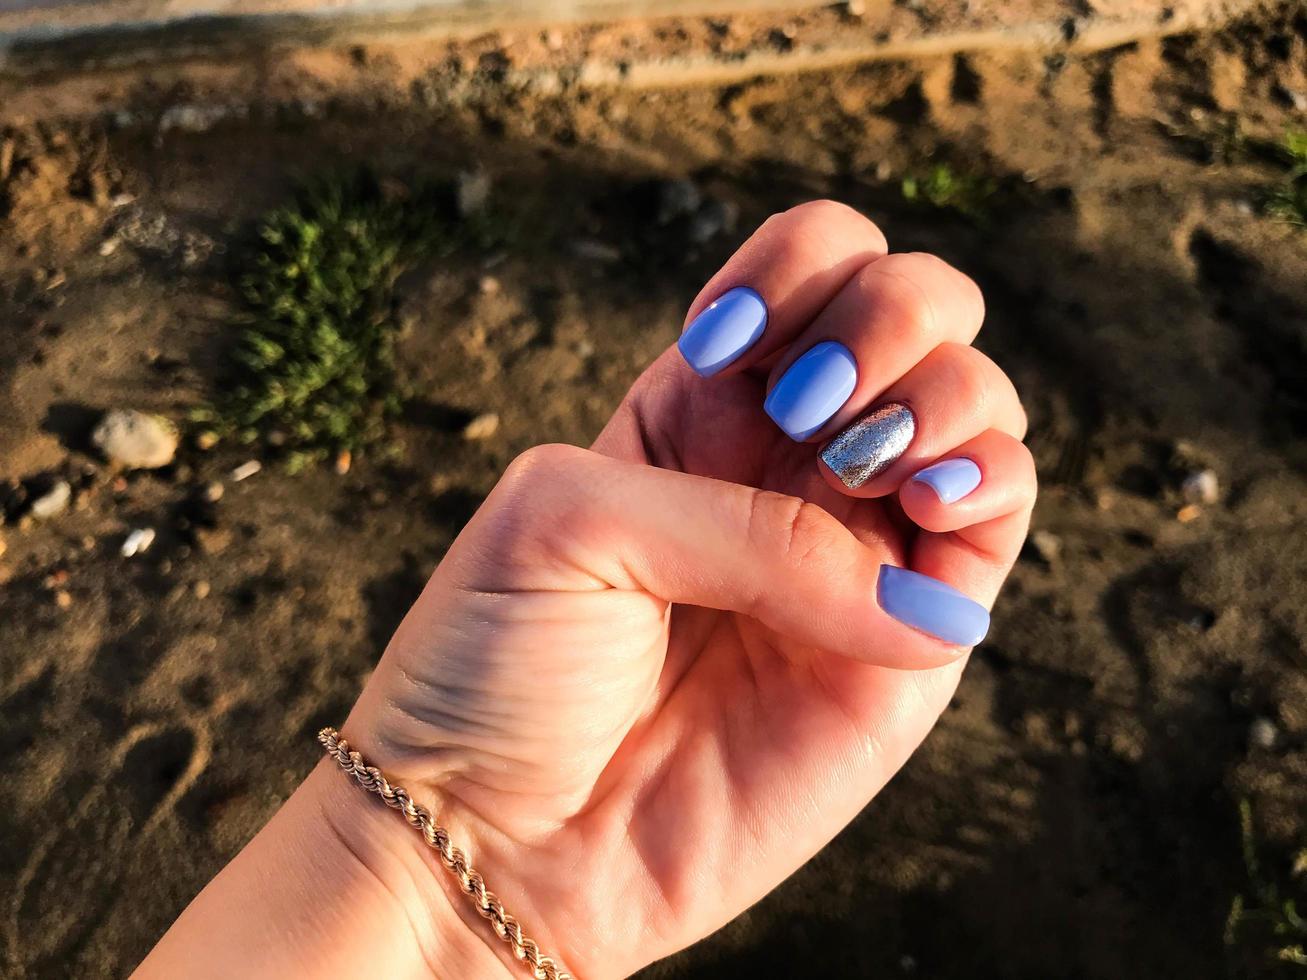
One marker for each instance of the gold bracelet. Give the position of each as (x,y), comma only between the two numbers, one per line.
(469,879)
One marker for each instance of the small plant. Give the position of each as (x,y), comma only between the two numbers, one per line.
(943,187)
(1263,917)
(1289,200)
(314,366)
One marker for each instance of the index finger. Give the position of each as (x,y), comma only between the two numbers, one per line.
(773,286)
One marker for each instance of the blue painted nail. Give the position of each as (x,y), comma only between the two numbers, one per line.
(723,331)
(812,390)
(951,479)
(927,604)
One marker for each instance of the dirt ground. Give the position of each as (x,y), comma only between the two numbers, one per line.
(1075,814)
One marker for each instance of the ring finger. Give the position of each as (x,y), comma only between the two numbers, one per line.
(954,394)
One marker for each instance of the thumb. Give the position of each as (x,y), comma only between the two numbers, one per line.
(568,519)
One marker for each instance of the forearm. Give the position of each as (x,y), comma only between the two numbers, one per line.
(335,885)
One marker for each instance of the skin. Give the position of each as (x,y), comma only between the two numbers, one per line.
(651,679)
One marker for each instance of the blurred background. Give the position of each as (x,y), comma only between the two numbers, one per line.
(284,285)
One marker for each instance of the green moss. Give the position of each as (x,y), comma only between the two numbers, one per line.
(1288,200)
(1264,920)
(943,187)
(314,369)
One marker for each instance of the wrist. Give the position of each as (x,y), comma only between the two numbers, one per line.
(423,906)
(336,884)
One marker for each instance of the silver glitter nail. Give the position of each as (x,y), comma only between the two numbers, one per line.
(868,447)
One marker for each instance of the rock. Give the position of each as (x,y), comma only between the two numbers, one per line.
(212,540)
(1188,513)
(473,190)
(197,118)
(1201,487)
(138,542)
(677,198)
(595,251)
(212,492)
(53,501)
(482,427)
(3,547)
(1262,733)
(488,285)
(344,459)
(713,219)
(246,470)
(206,440)
(856,9)
(1047,545)
(63,599)
(136,440)
(200,589)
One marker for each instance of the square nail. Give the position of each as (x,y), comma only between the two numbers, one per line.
(812,390)
(951,479)
(724,330)
(870,445)
(929,605)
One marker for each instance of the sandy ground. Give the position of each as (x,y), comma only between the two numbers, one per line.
(1075,813)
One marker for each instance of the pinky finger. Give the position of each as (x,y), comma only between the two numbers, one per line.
(988,477)
(972,537)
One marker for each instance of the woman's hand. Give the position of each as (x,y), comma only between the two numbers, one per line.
(651,679)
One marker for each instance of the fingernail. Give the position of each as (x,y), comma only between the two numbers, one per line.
(812,390)
(870,445)
(951,479)
(727,328)
(927,604)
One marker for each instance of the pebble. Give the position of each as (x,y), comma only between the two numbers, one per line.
(595,251)
(713,219)
(855,8)
(53,501)
(1201,487)
(473,190)
(677,198)
(1188,513)
(488,285)
(344,459)
(63,599)
(1262,733)
(206,440)
(212,540)
(138,542)
(246,470)
(136,440)
(3,547)
(200,589)
(213,492)
(482,427)
(1047,545)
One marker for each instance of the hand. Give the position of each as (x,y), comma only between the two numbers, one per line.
(651,679)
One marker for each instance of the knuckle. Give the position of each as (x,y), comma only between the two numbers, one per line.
(892,285)
(802,536)
(832,221)
(538,464)
(967,376)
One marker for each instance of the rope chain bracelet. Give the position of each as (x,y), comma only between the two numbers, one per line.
(469,879)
